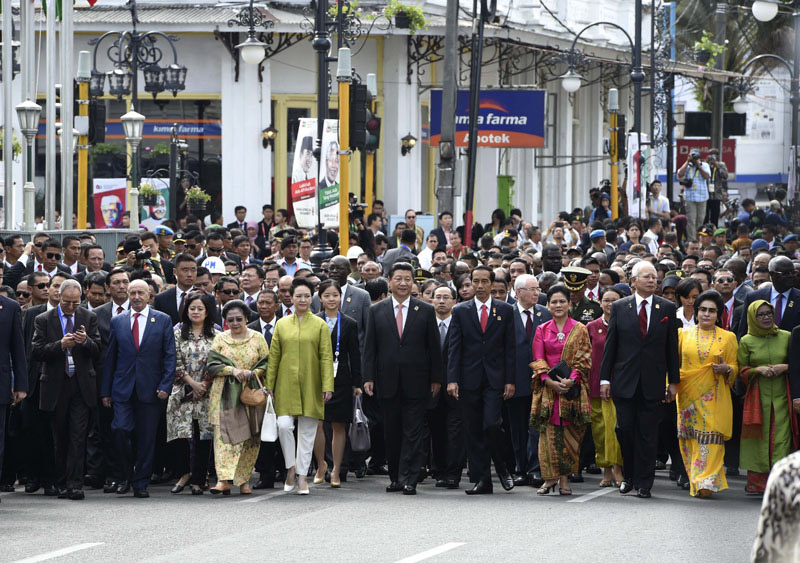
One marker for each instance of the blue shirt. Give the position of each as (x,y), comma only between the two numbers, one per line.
(699,190)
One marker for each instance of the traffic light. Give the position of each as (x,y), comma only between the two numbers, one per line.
(359,115)
(373,132)
(622,138)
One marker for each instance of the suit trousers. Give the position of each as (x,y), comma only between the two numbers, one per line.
(101,457)
(299,455)
(133,417)
(448,448)
(37,441)
(69,425)
(403,424)
(270,458)
(524,439)
(3,418)
(637,433)
(668,437)
(482,410)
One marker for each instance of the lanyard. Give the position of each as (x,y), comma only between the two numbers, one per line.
(338,334)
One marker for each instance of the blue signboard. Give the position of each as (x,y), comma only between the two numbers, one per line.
(162,129)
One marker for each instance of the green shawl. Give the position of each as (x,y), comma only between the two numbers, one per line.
(237,421)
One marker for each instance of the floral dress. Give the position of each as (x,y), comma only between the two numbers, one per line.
(191,355)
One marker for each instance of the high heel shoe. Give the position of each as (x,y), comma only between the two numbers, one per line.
(287,488)
(302,487)
(564,492)
(335,480)
(547,489)
(317,478)
(225,489)
(244,489)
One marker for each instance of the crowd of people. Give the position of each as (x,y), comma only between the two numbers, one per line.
(594,345)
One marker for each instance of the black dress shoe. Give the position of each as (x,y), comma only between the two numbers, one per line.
(93,481)
(576,478)
(660,465)
(262,484)
(522,481)
(6,488)
(361,470)
(593,470)
(683,482)
(410,490)
(76,494)
(673,475)
(51,491)
(123,487)
(110,487)
(441,484)
(625,487)
(63,493)
(196,492)
(177,489)
(536,482)
(643,493)
(452,484)
(732,472)
(32,486)
(377,470)
(481,488)
(141,493)
(394,487)
(505,480)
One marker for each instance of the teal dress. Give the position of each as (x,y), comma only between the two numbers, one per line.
(757,351)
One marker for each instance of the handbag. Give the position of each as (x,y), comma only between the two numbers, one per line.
(359,429)
(254,397)
(269,428)
(562,370)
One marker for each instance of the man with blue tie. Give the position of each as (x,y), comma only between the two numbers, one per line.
(13,388)
(528,315)
(139,370)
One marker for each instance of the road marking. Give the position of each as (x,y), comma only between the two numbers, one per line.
(589,496)
(430,553)
(58,553)
(259,498)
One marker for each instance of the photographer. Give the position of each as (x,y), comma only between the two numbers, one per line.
(693,177)
(138,258)
(717,186)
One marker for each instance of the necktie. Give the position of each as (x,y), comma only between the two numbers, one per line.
(249,300)
(484,318)
(69,366)
(268,333)
(40,267)
(778,309)
(442,334)
(135,330)
(726,321)
(399,319)
(529,324)
(643,319)
(180,302)
(288,312)
(119,309)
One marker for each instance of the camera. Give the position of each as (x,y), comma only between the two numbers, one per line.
(686,182)
(143,255)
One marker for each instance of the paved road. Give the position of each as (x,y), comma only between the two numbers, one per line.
(360,522)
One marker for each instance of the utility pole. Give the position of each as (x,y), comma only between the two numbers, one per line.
(67,112)
(50,121)
(447,154)
(718,88)
(8,113)
(82,125)
(343,73)
(613,138)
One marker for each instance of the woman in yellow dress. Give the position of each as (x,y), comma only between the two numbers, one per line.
(705,416)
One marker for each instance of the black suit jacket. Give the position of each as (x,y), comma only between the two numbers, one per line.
(475,357)
(438,232)
(27,331)
(348,373)
(629,361)
(394,255)
(408,365)
(256,326)
(47,349)
(12,350)
(794,363)
(523,347)
(791,312)
(18,272)
(235,225)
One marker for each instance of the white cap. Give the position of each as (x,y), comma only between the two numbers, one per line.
(214,265)
(354,252)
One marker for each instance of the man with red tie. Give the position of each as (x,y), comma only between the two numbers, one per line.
(140,367)
(725,282)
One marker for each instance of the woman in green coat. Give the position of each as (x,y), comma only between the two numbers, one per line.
(300,374)
(768,424)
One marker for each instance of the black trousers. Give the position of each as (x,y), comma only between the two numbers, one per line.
(668,437)
(712,211)
(69,425)
(377,450)
(482,410)
(3,420)
(270,458)
(448,446)
(101,457)
(403,427)
(637,432)
(196,464)
(37,442)
(732,446)
(525,440)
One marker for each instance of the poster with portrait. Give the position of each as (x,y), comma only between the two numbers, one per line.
(304,175)
(152,216)
(329,174)
(638,176)
(110,202)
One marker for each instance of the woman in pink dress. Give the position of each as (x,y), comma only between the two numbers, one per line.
(561,421)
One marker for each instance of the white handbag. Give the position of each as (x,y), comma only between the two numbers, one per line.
(269,428)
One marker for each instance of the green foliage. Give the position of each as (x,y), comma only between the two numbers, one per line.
(16,145)
(195,195)
(147,189)
(415,14)
(160,148)
(707,45)
(106,148)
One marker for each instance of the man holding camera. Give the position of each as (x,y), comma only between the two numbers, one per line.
(693,176)
(717,186)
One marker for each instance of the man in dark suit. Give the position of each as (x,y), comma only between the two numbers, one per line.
(169,301)
(528,315)
(241,214)
(13,389)
(139,370)
(355,301)
(641,348)
(402,253)
(480,373)
(66,341)
(29,262)
(782,295)
(403,365)
(445,224)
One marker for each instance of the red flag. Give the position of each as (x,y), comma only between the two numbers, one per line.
(92,2)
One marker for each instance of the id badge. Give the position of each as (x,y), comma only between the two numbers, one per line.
(335,364)
(711,187)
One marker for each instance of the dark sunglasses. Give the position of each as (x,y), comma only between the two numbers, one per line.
(212,249)
(725,280)
(53,256)
(24,294)
(191,246)
(42,285)
(229,291)
(37,244)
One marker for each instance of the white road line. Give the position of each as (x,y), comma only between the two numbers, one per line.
(58,553)
(430,553)
(589,496)
(259,498)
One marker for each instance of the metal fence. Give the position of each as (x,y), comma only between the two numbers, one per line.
(109,239)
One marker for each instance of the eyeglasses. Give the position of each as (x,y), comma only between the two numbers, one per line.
(53,256)
(42,285)
(724,280)
(24,294)
(229,291)
(765,315)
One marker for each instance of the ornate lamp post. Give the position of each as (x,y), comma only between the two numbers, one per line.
(28,113)
(133,123)
(252,50)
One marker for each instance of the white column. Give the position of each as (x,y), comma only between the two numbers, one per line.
(402,175)
(246,112)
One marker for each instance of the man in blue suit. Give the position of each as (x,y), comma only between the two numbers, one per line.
(480,373)
(528,315)
(140,367)
(13,388)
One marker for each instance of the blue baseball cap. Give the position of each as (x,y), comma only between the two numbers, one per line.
(163,230)
(760,244)
(597,233)
(790,238)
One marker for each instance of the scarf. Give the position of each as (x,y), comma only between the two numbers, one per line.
(577,354)
(237,421)
(752,322)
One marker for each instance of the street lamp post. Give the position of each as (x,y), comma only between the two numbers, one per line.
(133,123)
(251,50)
(28,113)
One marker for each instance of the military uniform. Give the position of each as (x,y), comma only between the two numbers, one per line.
(585,310)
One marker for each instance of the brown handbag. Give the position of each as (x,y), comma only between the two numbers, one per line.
(254,397)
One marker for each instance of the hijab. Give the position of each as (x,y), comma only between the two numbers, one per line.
(752,322)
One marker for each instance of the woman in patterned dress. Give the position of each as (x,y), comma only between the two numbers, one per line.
(187,408)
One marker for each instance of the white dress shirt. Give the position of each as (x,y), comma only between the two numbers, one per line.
(254,296)
(405,303)
(271,324)
(344,292)
(114,308)
(478,305)
(593,294)
(142,321)
(445,321)
(180,294)
(74,268)
(284,310)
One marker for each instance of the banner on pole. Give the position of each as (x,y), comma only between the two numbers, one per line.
(636,188)
(110,202)
(152,216)
(304,175)
(329,175)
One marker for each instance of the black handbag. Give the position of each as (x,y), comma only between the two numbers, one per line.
(562,371)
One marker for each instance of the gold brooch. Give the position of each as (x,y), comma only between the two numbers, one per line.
(658,306)
(152,319)
(499,318)
(416,307)
(348,299)
(791,303)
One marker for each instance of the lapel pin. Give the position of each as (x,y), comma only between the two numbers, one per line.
(658,306)
(630,306)
(499,318)
(348,299)
(599,331)
(539,314)
(152,319)
(416,307)
(791,303)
